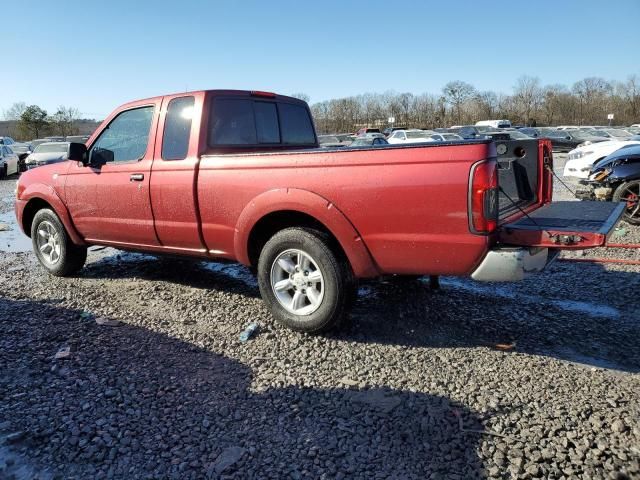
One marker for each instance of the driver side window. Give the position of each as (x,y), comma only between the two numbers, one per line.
(125,139)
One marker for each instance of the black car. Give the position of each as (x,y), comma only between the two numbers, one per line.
(617,178)
(471,131)
(567,140)
(531,131)
(369,142)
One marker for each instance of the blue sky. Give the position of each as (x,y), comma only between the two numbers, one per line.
(97,55)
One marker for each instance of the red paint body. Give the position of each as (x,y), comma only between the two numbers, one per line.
(395,210)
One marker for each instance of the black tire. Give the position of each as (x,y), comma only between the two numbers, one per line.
(70,257)
(623,193)
(3,171)
(338,283)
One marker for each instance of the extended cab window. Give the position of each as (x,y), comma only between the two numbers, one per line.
(177,128)
(126,138)
(242,121)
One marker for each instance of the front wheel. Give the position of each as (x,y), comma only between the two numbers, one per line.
(53,247)
(304,283)
(629,193)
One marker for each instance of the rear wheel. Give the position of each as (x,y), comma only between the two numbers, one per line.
(629,193)
(3,171)
(304,283)
(53,247)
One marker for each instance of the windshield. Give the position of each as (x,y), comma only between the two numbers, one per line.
(420,134)
(617,133)
(328,139)
(51,148)
(518,135)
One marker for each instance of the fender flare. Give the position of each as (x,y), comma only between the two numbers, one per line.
(48,195)
(315,206)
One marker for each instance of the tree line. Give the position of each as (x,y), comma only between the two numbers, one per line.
(586,102)
(32,121)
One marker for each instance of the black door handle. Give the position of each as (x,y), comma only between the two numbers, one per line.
(136,177)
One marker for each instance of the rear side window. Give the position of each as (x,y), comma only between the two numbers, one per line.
(295,124)
(177,128)
(241,121)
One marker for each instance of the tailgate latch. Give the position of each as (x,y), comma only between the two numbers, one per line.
(561,239)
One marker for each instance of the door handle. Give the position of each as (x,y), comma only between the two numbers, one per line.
(136,177)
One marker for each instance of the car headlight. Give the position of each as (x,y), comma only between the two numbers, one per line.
(575,155)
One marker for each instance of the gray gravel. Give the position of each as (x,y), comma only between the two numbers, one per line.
(417,385)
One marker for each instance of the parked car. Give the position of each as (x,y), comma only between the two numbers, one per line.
(616,178)
(255,187)
(470,132)
(369,142)
(566,140)
(494,123)
(616,133)
(446,137)
(413,135)
(581,160)
(7,141)
(330,141)
(8,162)
(364,131)
(23,150)
(531,131)
(76,138)
(389,130)
(47,153)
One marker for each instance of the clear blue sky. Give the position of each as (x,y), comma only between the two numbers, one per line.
(95,55)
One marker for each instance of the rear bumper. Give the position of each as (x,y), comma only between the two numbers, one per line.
(512,264)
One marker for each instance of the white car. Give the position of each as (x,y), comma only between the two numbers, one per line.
(8,162)
(581,159)
(413,135)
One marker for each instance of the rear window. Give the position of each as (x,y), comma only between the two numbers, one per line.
(241,121)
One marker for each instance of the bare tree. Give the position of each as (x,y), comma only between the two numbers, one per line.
(15,111)
(528,97)
(62,122)
(456,93)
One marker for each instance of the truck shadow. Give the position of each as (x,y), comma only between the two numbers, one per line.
(589,323)
(132,403)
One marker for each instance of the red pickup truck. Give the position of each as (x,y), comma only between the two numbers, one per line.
(238,175)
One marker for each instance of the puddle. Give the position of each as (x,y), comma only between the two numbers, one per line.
(591,309)
(13,240)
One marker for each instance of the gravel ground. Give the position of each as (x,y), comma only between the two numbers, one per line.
(531,380)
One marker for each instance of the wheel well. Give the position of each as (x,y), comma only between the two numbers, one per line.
(272,223)
(30,211)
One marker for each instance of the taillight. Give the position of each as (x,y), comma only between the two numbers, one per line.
(483,197)
(259,93)
(547,170)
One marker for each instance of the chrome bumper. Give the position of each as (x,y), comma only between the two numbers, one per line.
(512,264)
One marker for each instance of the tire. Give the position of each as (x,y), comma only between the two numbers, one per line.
(308,256)
(629,192)
(53,247)
(3,171)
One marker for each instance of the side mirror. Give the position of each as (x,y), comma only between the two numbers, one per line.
(100,157)
(568,137)
(78,153)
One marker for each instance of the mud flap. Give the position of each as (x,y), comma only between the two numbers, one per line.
(564,225)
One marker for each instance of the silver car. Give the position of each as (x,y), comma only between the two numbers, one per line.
(46,153)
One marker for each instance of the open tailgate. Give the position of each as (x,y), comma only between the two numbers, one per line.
(564,225)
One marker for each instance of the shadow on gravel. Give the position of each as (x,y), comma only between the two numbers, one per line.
(590,323)
(540,316)
(131,403)
(229,277)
